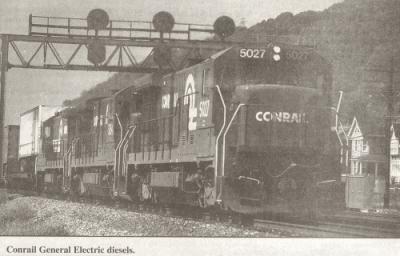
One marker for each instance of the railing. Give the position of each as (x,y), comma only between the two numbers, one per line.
(86,146)
(55,150)
(67,161)
(117,29)
(309,41)
(152,135)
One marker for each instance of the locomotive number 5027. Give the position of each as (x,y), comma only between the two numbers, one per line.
(296,55)
(252,53)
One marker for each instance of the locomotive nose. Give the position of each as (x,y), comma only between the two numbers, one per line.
(280,116)
(278,96)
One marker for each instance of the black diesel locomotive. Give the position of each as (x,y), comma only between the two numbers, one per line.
(247,129)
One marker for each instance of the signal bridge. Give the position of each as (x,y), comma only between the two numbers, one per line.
(113,45)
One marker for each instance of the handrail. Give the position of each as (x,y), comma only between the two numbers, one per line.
(83,137)
(118,153)
(338,107)
(67,162)
(219,134)
(120,125)
(224,138)
(165,117)
(128,21)
(223,147)
(338,124)
(64,26)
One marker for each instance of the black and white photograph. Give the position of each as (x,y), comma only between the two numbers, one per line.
(226,127)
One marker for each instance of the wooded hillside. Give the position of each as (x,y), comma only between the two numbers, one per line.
(356,36)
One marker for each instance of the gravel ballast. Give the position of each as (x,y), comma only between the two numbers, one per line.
(97,220)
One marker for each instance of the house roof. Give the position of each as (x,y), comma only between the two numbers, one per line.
(368,128)
(373,158)
(396,128)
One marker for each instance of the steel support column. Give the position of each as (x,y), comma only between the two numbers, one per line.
(4,67)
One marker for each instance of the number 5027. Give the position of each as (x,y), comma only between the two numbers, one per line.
(252,53)
(296,55)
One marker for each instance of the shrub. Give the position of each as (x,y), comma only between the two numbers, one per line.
(31,229)
(16,211)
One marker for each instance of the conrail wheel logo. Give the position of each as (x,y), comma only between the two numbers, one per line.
(190,98)
(284,117)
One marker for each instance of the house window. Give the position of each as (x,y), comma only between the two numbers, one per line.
(205,82)
(354,167)
(60,128)
(357,145)
(365,146)
(395,171)
(394,147)
(47,131)
(56,146)
(395,167)
(363,168)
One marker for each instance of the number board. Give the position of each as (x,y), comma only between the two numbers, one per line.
(297,55)
(251,53)
(248,53)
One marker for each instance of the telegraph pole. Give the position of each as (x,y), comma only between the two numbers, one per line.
(388,125)
(4,68)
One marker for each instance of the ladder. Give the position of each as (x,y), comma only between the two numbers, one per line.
(67,159)
(120,167)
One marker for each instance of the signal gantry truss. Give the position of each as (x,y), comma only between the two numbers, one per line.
(63,44)
(70,53)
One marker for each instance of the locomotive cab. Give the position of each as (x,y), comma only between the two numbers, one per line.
(278,130)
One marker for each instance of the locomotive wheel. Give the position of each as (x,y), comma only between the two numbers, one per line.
(145,193)
(154,198)
(202,200)
(112,196)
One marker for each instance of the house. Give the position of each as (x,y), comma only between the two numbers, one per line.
(394,154)
(367,148)
(365,181)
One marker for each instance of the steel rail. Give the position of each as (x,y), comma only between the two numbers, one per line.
(328,229)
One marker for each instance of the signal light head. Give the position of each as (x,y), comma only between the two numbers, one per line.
(224,26)
(277,49)
(163,22)
(98,19)
(276,57)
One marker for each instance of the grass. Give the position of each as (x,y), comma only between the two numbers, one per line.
(16,211)
(32,229)
(14,221)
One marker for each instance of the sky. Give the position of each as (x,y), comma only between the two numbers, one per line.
(27,88)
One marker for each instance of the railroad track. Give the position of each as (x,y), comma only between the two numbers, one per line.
(187,212)
(342,225)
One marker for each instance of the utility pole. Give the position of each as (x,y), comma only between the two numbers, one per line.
(3,71)
(388,124)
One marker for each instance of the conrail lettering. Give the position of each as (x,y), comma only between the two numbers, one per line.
(284,117)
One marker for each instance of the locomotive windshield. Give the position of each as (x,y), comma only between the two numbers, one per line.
(299,68)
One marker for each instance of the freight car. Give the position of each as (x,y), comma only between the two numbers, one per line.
(247,129)
(24,144)
(10,155)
